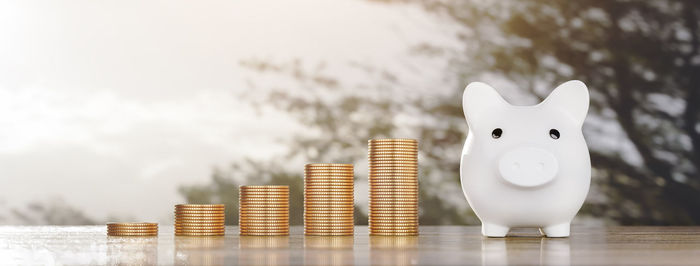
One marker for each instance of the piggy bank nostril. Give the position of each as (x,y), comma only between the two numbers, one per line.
(540,166)
(516,165)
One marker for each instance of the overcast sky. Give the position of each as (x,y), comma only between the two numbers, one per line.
(111,105)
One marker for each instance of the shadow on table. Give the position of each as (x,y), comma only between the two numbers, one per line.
(130,250)
(394,250)
(525,250)
(264,250)
(199,250)
(329,250)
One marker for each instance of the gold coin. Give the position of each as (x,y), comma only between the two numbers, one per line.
(199,234)
(329,189)
(393,184)
(326,172)
(250,211)
(388,211)
(340,197)
(254,231)
(329,182)
(199,213)
(389,167)
(113,232)
(391,195)
(263,211)
(329,193)
(392,157)
(190,225)
(192,215)
(329,227)
(199,218)
(394,202)
(392,215)
(394,230)
(264,218)
(133,224)
(264,234)
(392,143)
(321,206)
(264,201)
(326,208)
(264,215)
(187,230)
(263,230)
(395,171)
(263,195)
(258,211)
(329,233)
(131,228)
(200,206)
(330,211)
(394,234)
(310,220)
(394,207)
(133,234)
(199,230)
(327,230)
(376,175)
(329,217)
(263,206)
(391,150)
(333,211)
(393,224)
(393,140)
(387,219)
(267,222)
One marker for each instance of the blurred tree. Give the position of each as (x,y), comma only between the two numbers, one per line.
(54,211)
(641,60)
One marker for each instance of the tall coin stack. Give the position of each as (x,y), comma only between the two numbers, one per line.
(200,220)
(393,187)
(132,229)
(264,210)
(328,199)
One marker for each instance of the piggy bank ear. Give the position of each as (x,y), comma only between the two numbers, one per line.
(480,98)
(570,97)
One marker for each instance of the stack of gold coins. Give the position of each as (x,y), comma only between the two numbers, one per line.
(393,187)
(264,210)
(328,199)
(132,229)
(200,220)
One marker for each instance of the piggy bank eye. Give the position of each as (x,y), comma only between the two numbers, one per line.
(496,133)
(554,134)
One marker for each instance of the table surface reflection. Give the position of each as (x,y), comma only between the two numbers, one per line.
(436,245)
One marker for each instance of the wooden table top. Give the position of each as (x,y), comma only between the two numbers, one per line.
(436,245)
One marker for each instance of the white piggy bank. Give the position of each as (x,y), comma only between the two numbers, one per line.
(525,166)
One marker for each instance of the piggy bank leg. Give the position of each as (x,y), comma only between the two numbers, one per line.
(557,230)
(493,230)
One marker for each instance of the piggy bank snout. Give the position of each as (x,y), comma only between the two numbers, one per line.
(528,166)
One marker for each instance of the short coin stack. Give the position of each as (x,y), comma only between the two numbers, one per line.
(132,229)
(393,187)
(328,199)
(200,220)
(264,210)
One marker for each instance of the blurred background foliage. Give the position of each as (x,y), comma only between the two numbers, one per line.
(640,60)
